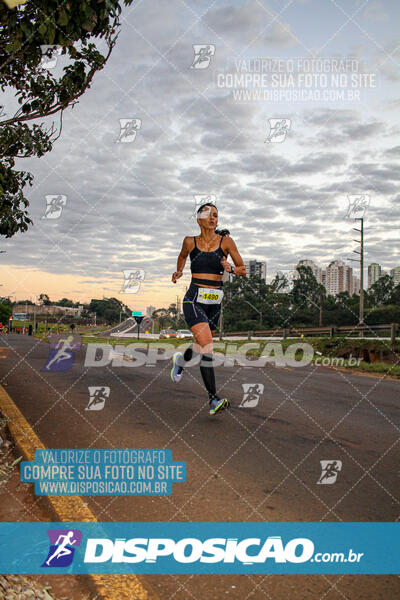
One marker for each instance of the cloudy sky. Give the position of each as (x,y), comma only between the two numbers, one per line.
(129,204)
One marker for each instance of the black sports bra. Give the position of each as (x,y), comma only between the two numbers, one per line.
(207,262)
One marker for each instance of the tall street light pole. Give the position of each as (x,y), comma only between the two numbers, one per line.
(361,259)
(320,305)
(362,274)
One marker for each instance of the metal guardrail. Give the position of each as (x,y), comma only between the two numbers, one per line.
(330,330)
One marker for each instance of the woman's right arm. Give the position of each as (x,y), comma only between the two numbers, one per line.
(184,253)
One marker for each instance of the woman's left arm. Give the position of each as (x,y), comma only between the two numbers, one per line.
(239,268)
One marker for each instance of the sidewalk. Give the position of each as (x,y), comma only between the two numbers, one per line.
(18,503)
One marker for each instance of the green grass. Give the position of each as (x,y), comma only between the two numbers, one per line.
(377,367)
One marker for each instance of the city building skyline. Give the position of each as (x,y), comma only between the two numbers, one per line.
(317,271)
(395,274)
(257,268)
(149,310)
(339,278)
(374,273)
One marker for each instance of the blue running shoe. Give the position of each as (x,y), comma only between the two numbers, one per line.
(176,371)
(217,404)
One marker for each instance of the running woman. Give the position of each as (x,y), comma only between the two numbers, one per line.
(202,302)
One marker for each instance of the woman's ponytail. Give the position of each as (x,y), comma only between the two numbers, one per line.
(222,232)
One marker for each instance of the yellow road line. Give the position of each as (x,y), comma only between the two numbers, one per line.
(70,508)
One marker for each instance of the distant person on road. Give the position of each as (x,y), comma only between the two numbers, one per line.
(202,302)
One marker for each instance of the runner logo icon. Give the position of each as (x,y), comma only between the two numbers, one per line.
(61,552)
(202,55)
(62,352)
(278,130)
(329,471)
(98,396)
(251,394)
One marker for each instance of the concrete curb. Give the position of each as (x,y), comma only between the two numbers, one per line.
(70,509)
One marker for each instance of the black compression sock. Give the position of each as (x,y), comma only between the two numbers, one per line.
(207,373)
(187,356)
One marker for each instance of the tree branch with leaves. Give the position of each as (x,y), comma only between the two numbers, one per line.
(26,33)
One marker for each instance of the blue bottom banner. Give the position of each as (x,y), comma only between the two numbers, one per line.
(196,548)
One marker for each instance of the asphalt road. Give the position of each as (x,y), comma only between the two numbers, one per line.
(245,464)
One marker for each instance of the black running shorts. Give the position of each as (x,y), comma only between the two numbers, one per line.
(197,312)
